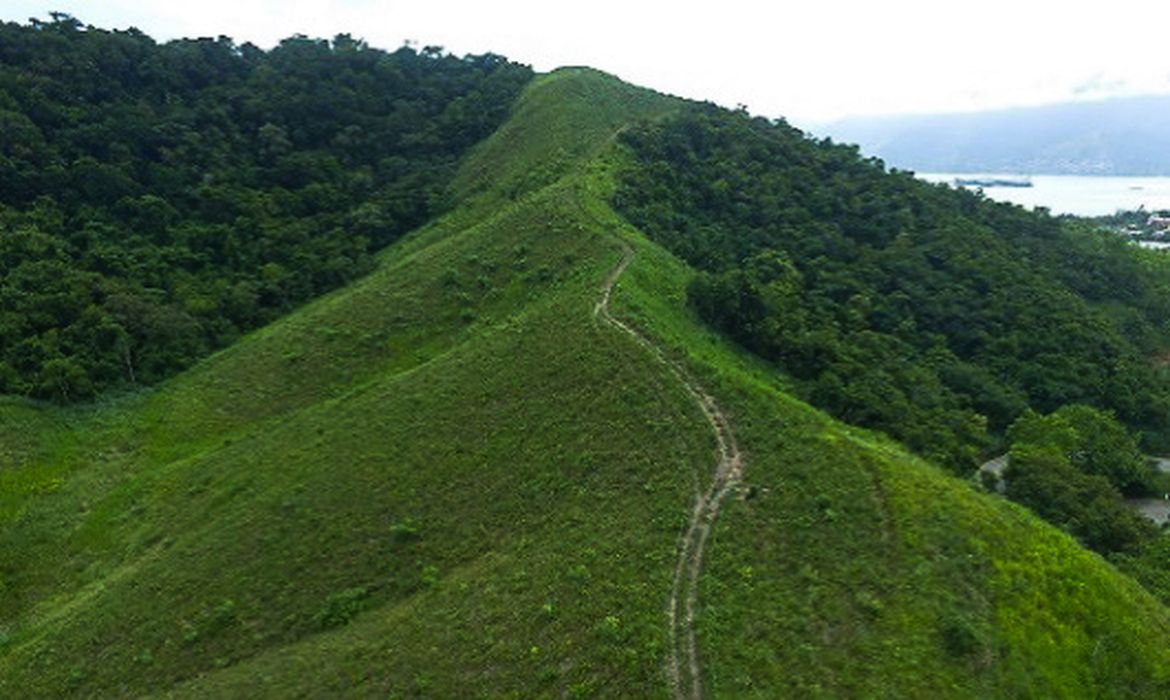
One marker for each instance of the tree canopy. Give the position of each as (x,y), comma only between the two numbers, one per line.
(1072,467)
(158,200)
(933,314)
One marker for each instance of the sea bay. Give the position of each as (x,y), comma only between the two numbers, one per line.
(1080,195)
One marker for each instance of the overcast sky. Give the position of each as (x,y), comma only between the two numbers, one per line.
(809,61)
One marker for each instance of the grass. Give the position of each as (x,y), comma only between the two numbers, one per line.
(449,479)
(858,570)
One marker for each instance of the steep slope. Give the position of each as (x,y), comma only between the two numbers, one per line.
(456,478)
(933,314)
(157,201)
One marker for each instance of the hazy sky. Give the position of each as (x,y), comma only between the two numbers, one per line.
(808,61)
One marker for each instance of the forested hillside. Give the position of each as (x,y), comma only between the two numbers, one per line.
(933,314)
(513,460)
(156,201)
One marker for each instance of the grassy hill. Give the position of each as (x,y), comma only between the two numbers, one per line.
(456,478)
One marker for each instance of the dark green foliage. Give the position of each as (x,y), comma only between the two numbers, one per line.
(341,607)
(959,636)
(1150,566)
(1092,441)
(156,201)
(1071,468)
(935,315)
(405,531)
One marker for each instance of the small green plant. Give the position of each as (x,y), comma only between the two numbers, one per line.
(579,574)
(959,636)
(869,604)
(341,607)
(220,618)
(612,630)
(422,682)
(405,530)
(429,576)
(75,678)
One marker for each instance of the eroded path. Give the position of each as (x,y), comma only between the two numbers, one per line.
(683,666)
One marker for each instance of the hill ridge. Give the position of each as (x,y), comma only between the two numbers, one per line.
(508,517)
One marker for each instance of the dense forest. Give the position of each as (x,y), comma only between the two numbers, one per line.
(930,313)
(156,201)
(1072,468)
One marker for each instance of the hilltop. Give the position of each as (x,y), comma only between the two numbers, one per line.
(493,465)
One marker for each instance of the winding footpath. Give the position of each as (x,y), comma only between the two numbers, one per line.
(683,666)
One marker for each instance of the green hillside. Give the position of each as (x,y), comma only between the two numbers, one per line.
(467,475)
(935,315)
(157,201)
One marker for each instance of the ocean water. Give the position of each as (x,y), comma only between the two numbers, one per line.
(1081,195)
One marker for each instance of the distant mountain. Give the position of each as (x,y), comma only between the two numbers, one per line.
(1123,136)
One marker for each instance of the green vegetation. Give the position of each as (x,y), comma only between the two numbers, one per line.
(156,201)
(935,315)
(848,568)
(1072,468)
(450,478)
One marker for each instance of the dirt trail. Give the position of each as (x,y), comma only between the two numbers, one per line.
(683,666)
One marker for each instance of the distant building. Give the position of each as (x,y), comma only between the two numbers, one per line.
(1158,221)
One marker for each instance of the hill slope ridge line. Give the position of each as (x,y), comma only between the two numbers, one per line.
(727,475)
